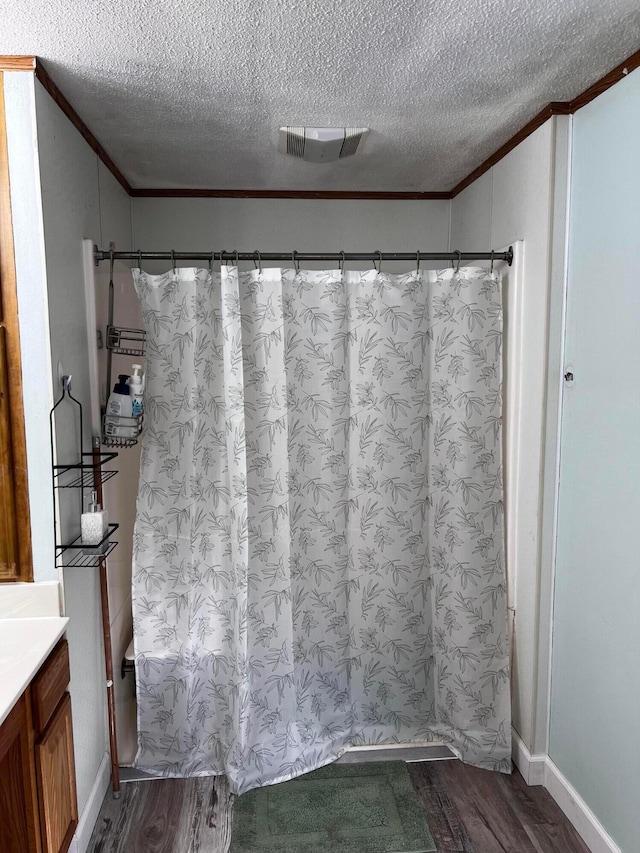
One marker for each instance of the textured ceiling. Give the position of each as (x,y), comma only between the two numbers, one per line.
(190,93)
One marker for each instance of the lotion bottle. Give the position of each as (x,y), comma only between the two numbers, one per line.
(93,523)
(136,386)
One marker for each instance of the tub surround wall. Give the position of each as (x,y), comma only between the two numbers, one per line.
(523,198)
(274,225)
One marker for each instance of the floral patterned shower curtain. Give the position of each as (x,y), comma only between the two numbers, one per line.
(318,555)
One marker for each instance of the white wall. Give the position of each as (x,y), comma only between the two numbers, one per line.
(523,197)
(80,198)
(595,737)
(274,225)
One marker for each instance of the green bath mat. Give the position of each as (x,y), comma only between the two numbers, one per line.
(341,808)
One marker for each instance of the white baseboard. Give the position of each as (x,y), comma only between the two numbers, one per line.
(531,767)
(90,813)
(593,833)
(540,770)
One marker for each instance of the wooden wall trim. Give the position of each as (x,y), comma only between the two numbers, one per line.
(161,192)
(31,63)
(551,109)
(9,309)
(614,76)
(43,76)
(18,63)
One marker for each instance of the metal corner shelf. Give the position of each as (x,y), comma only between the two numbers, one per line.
(118,441)
(130,424)
(124,341)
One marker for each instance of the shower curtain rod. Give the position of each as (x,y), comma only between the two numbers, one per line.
(301,257)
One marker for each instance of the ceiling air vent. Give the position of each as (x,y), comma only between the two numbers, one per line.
(320,144)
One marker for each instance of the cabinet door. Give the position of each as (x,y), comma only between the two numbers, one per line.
(19,831)
(56,781)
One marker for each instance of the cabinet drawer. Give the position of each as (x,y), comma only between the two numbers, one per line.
(49,685)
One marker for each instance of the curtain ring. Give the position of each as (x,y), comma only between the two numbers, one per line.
(459,254)
(140,259)
(378,268)
(342,260)
(173,261)
(223,262)
(491,262)
(295,261)
(418,262)
(258,266)
(235,252)
(211,263)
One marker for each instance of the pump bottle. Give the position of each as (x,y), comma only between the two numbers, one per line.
(119,409)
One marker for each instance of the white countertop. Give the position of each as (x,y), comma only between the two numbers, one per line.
(24,646)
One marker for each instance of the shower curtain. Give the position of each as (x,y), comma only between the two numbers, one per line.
(318,549)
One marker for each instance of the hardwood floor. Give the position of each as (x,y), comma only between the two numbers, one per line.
(166,816)
(475,811)
(468,811)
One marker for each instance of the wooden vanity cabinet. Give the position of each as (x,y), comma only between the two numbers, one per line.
(38,807)
(56,782)
(19,819)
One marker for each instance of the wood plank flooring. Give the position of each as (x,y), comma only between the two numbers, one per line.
(475,811)
(468,811)
(166,816)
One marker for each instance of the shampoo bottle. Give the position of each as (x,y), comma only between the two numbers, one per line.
(119,407)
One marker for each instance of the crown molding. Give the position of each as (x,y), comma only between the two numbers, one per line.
(32,63)
(553,108)
(49,84)
(161,192)
(614,76)
(18,63)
